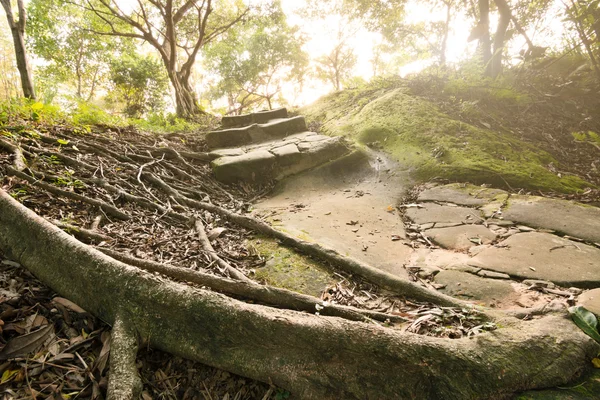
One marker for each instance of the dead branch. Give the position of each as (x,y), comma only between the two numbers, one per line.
(207,247)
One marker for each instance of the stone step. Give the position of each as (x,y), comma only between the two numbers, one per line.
(261,117)
(276,159)
(256,133)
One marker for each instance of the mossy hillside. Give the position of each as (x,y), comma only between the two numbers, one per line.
(289,270)
(434,145)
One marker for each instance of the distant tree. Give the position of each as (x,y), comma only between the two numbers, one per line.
(337,66)
(17,28)
(62,35)
(177,29)
(140,82)
(254,60)
(585,18)
(10,81)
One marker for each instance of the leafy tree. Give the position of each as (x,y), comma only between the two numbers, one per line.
(585,18)
(177,29)
(254,60)
(61,34)
(17,28)
(140,82)
(337,66)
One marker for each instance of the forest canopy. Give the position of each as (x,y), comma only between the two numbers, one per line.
(189,57)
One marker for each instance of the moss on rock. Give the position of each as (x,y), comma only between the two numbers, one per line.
(290,270)
(433,144)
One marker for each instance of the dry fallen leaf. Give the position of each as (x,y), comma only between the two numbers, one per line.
(68,304)
(22,345)
(215,233)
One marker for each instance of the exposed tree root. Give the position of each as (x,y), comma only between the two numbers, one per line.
(125,382)
(268,295)
(315,357)
(107,208)
(85,235)
(18,159)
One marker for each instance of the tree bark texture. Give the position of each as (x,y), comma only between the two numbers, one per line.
(315,357)
(500,38)
(485,43)
(17,28)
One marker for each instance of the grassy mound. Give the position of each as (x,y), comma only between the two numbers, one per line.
(433,144)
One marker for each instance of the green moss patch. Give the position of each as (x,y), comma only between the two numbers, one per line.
(287,269)
(589,136)
(434,145)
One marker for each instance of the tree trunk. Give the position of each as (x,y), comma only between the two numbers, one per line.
(315,357)
(446,32)
(185,99)
(485,43)
(18,33)
(499,38)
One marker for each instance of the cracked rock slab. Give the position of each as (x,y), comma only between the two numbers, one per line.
(472,287)
(564,216)
(465,195)
(536,255)
(461,237)
(443,214)
(276,160)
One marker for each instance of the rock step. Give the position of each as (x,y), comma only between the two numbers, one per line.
(260,117)
(276,159)
(255,133)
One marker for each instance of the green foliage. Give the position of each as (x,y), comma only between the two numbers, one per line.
(14,112)
(89,114)
(586,320)
(166,123)
(252,61)
(140,83)
(62,34)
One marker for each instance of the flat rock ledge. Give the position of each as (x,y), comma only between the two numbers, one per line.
(272,149)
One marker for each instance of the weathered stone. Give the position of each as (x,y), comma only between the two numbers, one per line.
(539,283)
(564,216)
(544,256)
(590,300)
(318,153)
(466,195)
(446,224)
(262,117)
(285,150)
(472,287)
(255,133)
(442,214)
(473,251)
(428,271)
(463,268)
(226,153)
(461,237)
(229,137)
(255,166)
(493,275)
(231,121)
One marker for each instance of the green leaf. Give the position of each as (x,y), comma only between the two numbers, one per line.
(586,320)
(35,116)
(37,106)
(63,142)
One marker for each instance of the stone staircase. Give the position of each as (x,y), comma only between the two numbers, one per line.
(268,145)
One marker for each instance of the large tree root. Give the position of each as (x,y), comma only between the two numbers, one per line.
(312,356)
(125,382)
